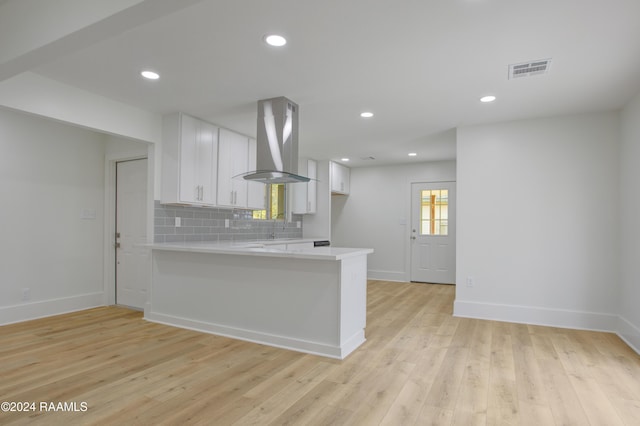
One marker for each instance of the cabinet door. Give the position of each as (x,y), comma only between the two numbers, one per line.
(233,154)
(304,194)
(256,191)
(312,186)
(189,191)
(299,191)
(189,160)
(346,180)
(339,179)
(206,162)
(334,170)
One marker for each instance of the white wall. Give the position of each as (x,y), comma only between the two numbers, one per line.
(377,214)
(121,148)
(49,173)
(537,221)
(34,94)
(629,308)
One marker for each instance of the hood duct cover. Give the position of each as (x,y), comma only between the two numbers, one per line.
(277,143)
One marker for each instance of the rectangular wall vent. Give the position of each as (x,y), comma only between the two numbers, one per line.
(527,69)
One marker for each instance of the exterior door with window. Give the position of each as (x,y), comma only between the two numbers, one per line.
(433,250)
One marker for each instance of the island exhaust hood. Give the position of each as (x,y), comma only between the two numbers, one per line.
(277,143)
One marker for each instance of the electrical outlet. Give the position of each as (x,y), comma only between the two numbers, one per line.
(26,294)
(470,282)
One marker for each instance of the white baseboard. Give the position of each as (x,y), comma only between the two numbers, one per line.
(351,344)
(47,308)
(535,315)
(298,345)
(386,275)
(629,333)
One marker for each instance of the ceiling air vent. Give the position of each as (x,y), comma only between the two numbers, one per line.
(368,158)
(527,69)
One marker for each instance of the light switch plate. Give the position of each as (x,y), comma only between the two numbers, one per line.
(178,222)
(87,214)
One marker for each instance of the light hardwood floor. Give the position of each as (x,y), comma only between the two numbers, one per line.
(419,366)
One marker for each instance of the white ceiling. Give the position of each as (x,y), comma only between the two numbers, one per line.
(419,65)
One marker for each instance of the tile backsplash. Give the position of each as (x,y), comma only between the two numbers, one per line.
(208,224)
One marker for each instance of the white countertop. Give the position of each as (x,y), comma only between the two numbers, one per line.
(265,248)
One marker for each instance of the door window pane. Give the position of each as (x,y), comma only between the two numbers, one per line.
(434,212)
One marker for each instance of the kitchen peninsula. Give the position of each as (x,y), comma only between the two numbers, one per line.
(283,293)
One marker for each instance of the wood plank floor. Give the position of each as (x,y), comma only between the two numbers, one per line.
(419,366)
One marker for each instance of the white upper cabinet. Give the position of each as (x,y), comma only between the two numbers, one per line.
(304,194)
(189,161)
(236,155)
(256,191)
(339,176)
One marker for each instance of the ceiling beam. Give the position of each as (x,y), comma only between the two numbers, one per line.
(34,32)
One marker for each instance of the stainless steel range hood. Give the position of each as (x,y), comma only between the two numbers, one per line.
(277,140)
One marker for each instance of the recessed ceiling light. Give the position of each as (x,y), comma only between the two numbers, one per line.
(150,75)
(275,40)
(366,114)
(413,154)
(345,159)
(489,98)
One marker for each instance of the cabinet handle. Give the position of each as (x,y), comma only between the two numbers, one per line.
(231,198)
(235,197)
(201,192)
(197,192)
(308,206)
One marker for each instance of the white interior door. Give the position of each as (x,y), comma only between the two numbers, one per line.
(132,261)
(433,225)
